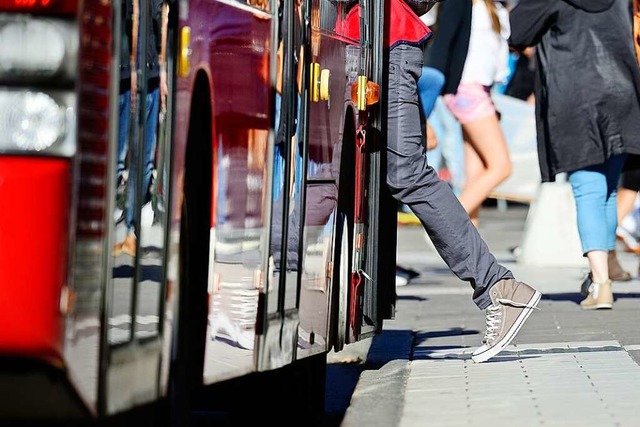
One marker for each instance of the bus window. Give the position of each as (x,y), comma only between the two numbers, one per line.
(330,14)
(120,325)
(141,172)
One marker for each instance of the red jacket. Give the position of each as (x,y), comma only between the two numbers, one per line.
(406,26)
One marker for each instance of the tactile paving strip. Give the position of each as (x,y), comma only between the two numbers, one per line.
(557,384)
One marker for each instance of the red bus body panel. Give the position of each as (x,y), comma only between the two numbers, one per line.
(34,236)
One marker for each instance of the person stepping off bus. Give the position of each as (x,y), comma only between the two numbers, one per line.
(507,302)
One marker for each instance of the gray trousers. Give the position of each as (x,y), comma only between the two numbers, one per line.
(416,184)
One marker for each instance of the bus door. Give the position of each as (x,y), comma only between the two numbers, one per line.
(320,210)
(371,292)
(140,196)
(329,146)
(377,267)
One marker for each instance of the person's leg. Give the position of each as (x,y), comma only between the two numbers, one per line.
(626,200)
(492,164)
(123,133)
(128,245)
(413,182)
(590,193)
(452,146)
(613,169)
(430,84)
(507,302)
(629,186)
(435,156)
(613,172)
(627,196)
(150,136)
(474,168)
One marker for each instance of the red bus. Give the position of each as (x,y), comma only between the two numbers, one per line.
(196,205)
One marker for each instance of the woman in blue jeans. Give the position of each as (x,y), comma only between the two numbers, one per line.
(587,112)
(595,189)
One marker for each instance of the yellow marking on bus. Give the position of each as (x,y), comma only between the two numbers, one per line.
(184,63)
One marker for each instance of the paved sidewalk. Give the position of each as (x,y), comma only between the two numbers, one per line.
(566,367)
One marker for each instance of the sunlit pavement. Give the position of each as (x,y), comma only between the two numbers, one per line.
(566,366)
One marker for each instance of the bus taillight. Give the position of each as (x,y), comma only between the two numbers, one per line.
(45,7)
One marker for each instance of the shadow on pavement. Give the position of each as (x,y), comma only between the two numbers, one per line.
(411,298)
(576,297)
(453,332)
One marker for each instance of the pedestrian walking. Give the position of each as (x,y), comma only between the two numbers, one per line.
(468,70)
(507,302)
(443,62)
(628,214)
(155,101)
(627,230)
(486,62)
(587,111)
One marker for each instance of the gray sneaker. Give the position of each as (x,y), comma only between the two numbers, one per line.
(512,303)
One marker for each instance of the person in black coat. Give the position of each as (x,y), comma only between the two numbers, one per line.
(587,111)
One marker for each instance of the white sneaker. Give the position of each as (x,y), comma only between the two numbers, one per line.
(118,215)
(401,281)
(512,303)
(629,241)
(146,217)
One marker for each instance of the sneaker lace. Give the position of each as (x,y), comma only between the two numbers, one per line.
(494,317)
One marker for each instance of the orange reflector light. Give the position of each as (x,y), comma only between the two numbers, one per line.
(365,93)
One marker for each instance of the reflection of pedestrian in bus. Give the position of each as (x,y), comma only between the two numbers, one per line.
(126,96)
(587,111)
(281,188)
(156,93)
(508,303)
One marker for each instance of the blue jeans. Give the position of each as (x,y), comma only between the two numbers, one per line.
(429,87)
(450,149)
(152,111)
(279,162)
(123,135)
(595,192)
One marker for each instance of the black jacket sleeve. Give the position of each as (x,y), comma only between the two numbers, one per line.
(448,50)
(450,17)
(530,20)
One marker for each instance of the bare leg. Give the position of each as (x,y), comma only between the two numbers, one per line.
(599,265)
(486,138)
(600,293)
(626,200)
(474,168)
